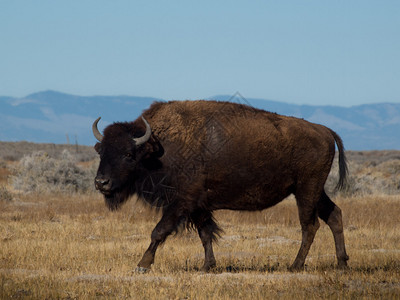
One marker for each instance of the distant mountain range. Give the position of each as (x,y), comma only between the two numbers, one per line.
(54,117)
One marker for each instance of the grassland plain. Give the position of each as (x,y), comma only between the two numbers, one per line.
(59,246)
(69,246)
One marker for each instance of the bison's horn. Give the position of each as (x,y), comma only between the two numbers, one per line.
(143,139)
(96,132)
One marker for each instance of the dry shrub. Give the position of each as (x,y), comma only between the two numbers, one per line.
(373,177)
(4,171)
(5,195)
(383,178)
(3,164)
(38,172)
(14,151)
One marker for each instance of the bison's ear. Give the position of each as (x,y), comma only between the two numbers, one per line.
(154,147)
(97,147)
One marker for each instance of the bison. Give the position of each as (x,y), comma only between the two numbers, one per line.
(190,158)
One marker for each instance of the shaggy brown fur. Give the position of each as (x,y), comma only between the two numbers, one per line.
(207,155)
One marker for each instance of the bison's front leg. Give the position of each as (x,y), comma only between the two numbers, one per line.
(206,239)
(163,229)
(208,230)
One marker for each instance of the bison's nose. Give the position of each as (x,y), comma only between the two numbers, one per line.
(103,184)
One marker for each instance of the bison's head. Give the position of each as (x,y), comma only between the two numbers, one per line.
(126,150)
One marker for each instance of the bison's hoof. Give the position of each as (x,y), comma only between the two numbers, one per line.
(141,270)
(207,268)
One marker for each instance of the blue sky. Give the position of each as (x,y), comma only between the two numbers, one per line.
(304,52)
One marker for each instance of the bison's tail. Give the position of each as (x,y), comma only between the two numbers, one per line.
(343,170)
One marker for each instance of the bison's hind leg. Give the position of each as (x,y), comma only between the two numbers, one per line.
(332,215)
(307,206)
(208,231)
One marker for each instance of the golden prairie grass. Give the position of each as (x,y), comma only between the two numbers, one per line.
(70,247)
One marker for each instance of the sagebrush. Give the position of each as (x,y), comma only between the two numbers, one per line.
(38,172)
(5,194)
(14,151)
(375,177)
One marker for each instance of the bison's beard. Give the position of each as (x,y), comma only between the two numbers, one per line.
(115,200)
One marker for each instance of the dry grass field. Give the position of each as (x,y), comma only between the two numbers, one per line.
(72,247)
(69,246)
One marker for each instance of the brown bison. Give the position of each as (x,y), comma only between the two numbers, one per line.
(190,158)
